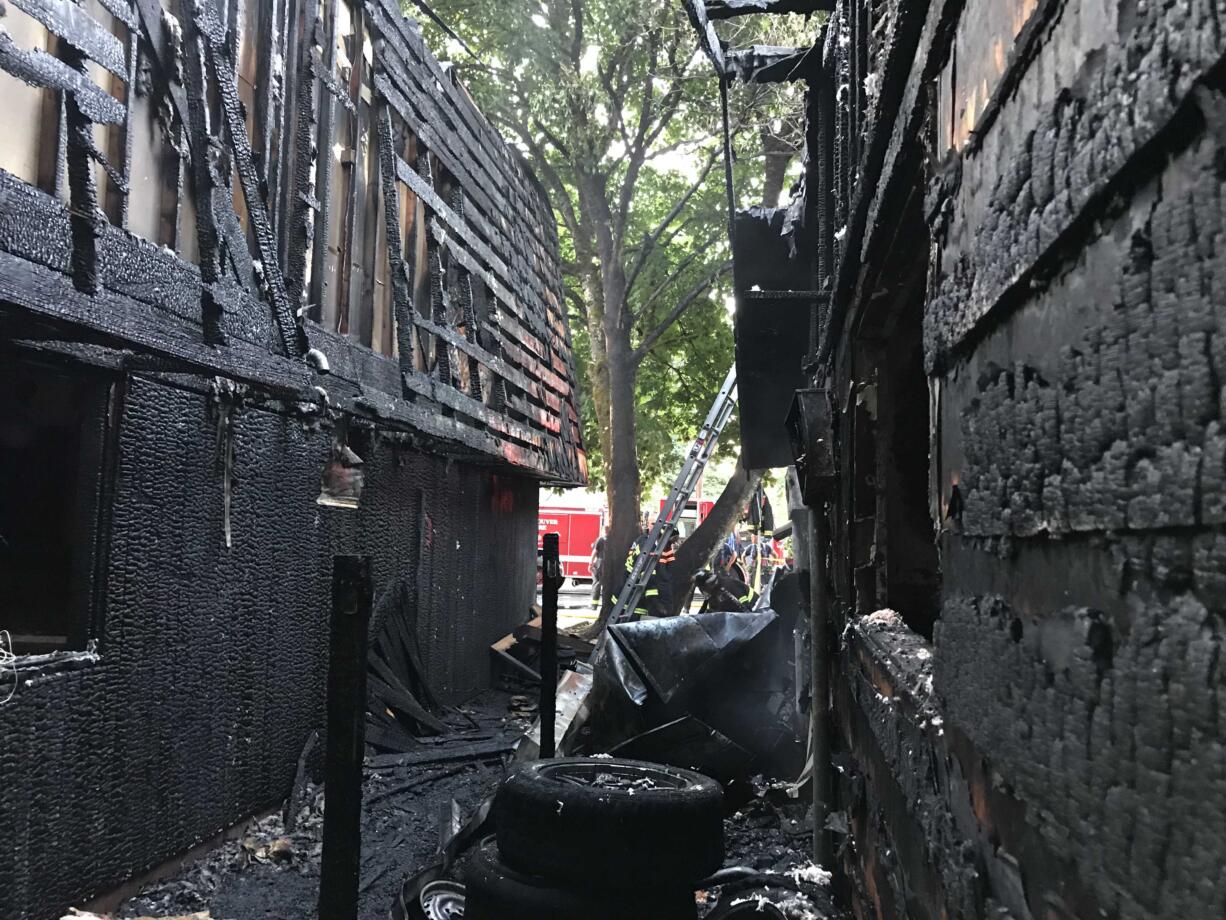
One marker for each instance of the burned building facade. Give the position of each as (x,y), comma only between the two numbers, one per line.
(1009,432)
(271,291)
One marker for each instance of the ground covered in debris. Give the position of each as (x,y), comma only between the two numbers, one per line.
(269,873)
(771,832)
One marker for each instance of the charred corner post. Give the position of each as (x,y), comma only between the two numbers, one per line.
(1006,422)
(551,582)
(272,291)
(346,723)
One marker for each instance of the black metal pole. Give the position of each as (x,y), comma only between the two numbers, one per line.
(819,705)
(342,847)
(551,581)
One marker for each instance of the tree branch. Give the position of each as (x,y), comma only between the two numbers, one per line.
(695,253)
(652,238)
(674,314)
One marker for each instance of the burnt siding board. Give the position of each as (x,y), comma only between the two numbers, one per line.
(1102,705)
(1105,97)
(1063,753)
(502,237)
(213,660)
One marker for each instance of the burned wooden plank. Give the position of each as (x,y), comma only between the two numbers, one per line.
(154,27)
(130,79)
(387,686)
(302,205)
(322,166)
(121,10)
(476,351)
(727,9)
(41,69)
(452,398)
(240,144)
(341,861)
(402,297)
(418,781)
(51,294)
(443,753)
(384,732)
(327,77)
(71,23)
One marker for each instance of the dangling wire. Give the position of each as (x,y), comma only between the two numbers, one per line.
(8,661)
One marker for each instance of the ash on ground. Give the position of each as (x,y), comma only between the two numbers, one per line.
(269,874)
(772,833)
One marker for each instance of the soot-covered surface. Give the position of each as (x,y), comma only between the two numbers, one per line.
(271,874)
(212,662)
(268,873)
(772,833)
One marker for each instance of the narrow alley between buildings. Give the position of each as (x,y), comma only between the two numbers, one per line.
(298,327)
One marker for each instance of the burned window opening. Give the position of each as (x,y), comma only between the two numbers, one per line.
(54,453)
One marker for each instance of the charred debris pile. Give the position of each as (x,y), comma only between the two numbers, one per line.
(675,793)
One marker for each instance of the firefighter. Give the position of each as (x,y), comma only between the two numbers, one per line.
(658,597)
(723,592)
(597,565)
(636,549)
(654,600)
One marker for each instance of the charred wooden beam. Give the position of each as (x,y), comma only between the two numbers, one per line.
(240,148)
(709,41)
(41,69)
(71,23)
(302,204)
(208,183)
(727,9)
(402,296)
(342,844)
(323,160)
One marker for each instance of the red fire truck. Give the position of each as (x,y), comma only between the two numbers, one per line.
(577,530)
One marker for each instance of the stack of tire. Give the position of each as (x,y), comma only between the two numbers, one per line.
(597,839)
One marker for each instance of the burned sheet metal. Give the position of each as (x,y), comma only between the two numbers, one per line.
(774,305)
(771,64)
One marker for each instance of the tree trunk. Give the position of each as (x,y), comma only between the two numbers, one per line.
(598,364)
(622,460)
(696,552)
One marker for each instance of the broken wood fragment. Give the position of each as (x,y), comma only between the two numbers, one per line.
(444,753)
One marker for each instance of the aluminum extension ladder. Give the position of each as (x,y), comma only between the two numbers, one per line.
(683,487)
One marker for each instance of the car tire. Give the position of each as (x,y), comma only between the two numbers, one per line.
(494,891)
(628,822)
(441,899)
(746,907)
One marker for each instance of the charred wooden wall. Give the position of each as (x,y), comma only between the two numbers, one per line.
(276,232)
(211,660)
(1024,227)
(226,185)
